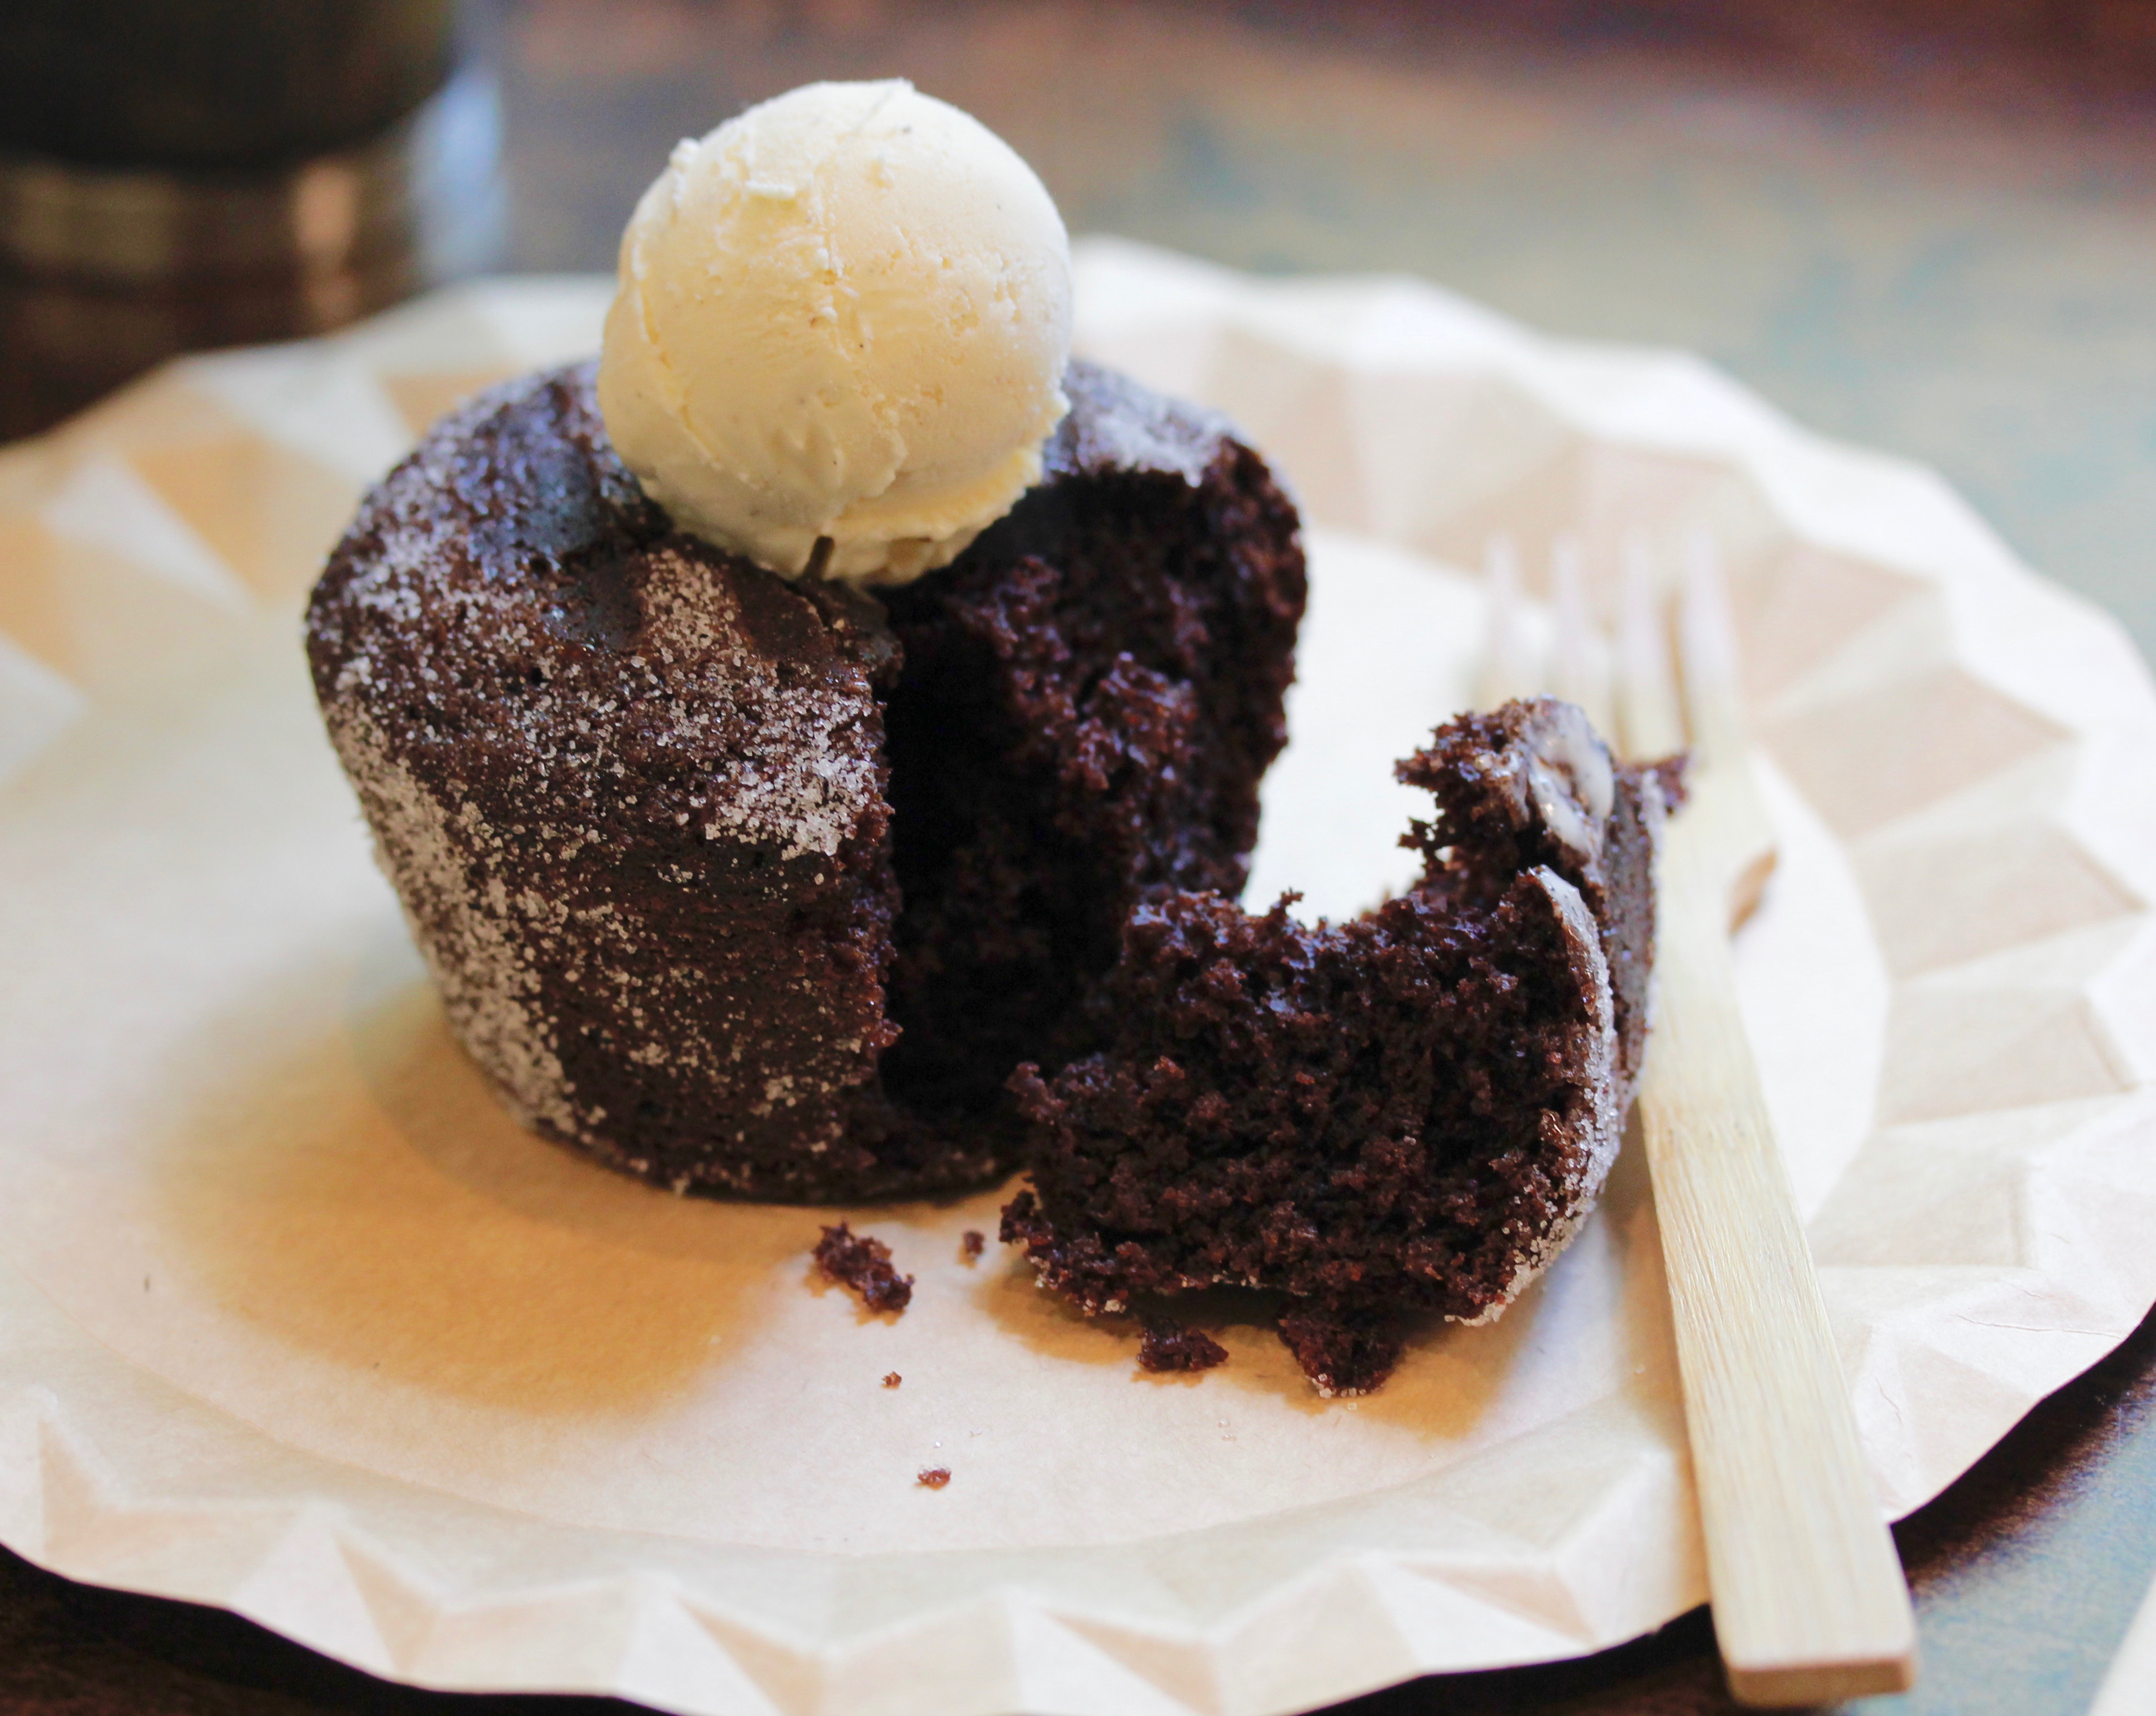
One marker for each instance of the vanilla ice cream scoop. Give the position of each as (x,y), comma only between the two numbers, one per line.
(845,313)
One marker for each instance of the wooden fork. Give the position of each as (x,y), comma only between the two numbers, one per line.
(1810,1603)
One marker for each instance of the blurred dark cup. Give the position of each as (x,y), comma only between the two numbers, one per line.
(176,174)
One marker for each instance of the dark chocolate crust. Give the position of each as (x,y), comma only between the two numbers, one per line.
(1502,780)
(689,848)
(1410,1111)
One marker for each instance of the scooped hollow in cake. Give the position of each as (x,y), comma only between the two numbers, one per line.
(758,886)
(1411,1111)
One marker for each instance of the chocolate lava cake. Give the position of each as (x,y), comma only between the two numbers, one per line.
(764,887)
(1407,1112)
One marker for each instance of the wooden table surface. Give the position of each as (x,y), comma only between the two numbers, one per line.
(1928,228)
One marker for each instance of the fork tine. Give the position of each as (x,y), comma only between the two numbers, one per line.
(1579,659)
(1713,695)
(1714,710)
(1508,669)
(1649,722)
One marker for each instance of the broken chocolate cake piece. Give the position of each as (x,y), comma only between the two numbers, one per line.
(761,888)
(1409,1112)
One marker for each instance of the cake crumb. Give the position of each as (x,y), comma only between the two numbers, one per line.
(892,1379)
(1171,1346)
(1344,1354)
(862,1261)
(934,1477)
(971,1243)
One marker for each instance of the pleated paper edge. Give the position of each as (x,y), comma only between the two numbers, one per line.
(1337,1625)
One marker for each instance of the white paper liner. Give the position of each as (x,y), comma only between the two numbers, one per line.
(292,1320)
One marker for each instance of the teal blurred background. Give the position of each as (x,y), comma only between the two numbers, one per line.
(1928,228)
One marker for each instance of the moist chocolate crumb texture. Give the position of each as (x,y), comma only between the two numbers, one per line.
(1409,1112)
(862,1263)
(1166,1346)
(759,888)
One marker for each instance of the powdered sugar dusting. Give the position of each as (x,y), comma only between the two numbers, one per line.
(463,925)
(1597,1134)
(1122,427)
(810,795)
(609,801)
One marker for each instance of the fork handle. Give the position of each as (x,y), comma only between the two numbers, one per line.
(1810,1603)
